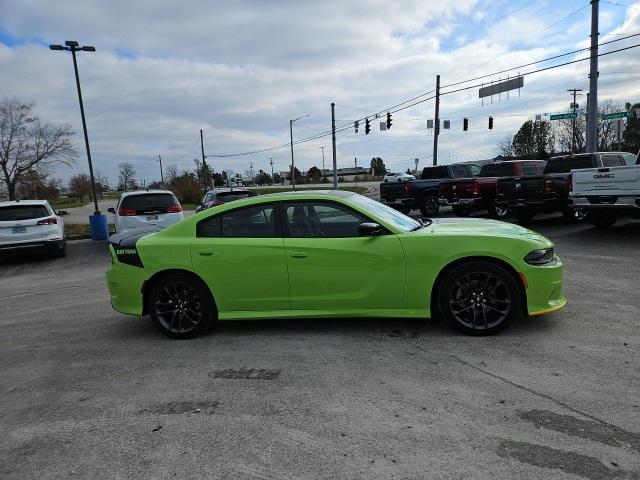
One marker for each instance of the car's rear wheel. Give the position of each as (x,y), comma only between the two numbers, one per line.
(61,251)
(181,306)
(479,298)
(571,214)
(429,206)
(602,219)
(497,211)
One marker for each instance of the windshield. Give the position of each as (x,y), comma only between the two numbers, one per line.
(387,214)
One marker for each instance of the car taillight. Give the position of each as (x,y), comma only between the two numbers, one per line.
(570,183)
(126,212)
(549,186)
(475,190)
(406,188)
(174,209)
(48,221)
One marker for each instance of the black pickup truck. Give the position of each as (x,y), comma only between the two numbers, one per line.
(422,194)
(527,195)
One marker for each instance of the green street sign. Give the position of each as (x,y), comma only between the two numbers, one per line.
(614,115)
(563,116)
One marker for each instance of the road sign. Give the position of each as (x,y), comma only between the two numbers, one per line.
(501,87)
(563,116)
(614,115)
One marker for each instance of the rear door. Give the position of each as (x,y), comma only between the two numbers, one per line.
(25,223)
(240,255)
(331,267)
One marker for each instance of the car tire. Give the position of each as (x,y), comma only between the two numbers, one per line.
(61,252)
(178,298)
(479,298)
(524,215)
(602,219)
(429,206)
(498,212)
(461,211)
(571,214)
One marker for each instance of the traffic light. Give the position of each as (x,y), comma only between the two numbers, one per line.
(356,125)
(465,124)
(490,123)
(367,127)
(388,120)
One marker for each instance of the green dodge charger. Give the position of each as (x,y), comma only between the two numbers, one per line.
(331,254)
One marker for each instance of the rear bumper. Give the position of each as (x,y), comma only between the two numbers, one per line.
(609,202)
(460,202)
(125,288)
(33,245)
(532,203)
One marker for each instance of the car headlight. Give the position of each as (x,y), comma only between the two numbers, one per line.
(541,257)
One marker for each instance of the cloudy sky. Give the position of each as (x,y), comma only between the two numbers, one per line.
(241,69)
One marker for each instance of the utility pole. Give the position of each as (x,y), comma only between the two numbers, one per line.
(356,175)
(333,140)
(416,170)
(251,171)
(293,167)
(204,164)
(273,181)
(161,174)
(324,173)
(592,107)
(574,107)
(436,126)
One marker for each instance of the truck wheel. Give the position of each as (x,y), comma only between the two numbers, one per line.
(429,206)
(602,219)
(479,298)
(524,215)
(462,211)
(405,210)
(498,212)
(571,214)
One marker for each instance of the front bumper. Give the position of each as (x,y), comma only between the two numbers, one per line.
(544,288)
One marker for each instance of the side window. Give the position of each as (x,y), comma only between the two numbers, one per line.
(258,222)
(611,161)
(320,219)
(629,159)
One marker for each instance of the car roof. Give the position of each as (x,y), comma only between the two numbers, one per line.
(144,192)
(23,202)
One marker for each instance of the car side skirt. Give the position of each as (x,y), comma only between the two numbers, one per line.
(360,313)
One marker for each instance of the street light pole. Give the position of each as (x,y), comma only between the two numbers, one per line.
(273,181)
(73,47)
(293,166)
(161,174)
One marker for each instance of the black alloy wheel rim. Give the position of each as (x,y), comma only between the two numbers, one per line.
(579,214)
(431,205)
(480,300)
(501,212)
(178,307)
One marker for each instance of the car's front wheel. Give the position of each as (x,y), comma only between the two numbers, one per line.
(479,298)
(181,306)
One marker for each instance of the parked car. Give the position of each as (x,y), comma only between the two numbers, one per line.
(525,196)
(466,195)
(422,194)
(608,193)
(146,210)
(223,195)
(327,254)
(31,224)
(398,177)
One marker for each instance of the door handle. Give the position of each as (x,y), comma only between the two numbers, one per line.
(299,254)
(205,253)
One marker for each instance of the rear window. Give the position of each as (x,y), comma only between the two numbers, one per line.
(435,172)
(230,196)
(611,161)
(460,171)
(497,170)
(566,164)
(148,203)
(22,212)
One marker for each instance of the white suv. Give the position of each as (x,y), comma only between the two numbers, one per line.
(31,224)
(398,177)
(146,210)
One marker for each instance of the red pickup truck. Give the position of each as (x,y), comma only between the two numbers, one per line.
(465,195)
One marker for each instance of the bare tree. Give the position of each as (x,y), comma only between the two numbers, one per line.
(126,176)
(80,185)
(27,144)
(505,147)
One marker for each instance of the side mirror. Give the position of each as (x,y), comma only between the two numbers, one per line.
(111,210)
(370,229)
(62,212)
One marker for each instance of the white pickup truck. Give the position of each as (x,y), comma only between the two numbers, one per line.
(606,193)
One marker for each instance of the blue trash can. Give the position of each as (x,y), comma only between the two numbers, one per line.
(99,227)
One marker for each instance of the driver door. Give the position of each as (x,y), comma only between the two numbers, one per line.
(331,267)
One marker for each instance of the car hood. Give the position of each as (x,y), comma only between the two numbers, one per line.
(480,227)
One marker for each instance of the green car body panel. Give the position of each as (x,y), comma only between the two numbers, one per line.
(389,275)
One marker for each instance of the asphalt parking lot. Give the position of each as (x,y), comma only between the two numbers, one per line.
(90,393)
